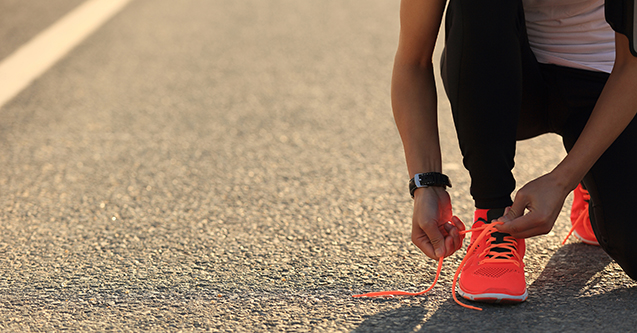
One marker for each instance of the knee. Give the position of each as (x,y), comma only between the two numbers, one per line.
(629,265)
(618,243)
(624,253)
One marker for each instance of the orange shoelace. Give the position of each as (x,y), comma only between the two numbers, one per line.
(487,254)
(580,219)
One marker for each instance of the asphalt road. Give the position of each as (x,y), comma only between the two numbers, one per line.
(233,166)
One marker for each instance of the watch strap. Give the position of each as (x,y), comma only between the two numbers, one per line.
(428,179)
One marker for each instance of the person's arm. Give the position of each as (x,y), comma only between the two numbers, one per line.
(415,107)
(615,108)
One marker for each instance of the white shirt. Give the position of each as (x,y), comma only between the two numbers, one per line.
(571,33)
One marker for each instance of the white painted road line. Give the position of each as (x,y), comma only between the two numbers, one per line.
(34,58)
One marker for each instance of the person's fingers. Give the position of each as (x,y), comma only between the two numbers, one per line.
(451,232)
(439,240)
(448,232)
(436,238)
(457,236)
(454,235)
(449,246)
(458,223)
(514,211)
(529,225)
(515,226)
(446,227)
(461,227)
(527,233)
(421,240)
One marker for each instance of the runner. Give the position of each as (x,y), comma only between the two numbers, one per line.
(512,70)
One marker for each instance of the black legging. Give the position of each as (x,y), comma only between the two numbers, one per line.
(499,93)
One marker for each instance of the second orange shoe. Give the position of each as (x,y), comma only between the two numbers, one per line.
(580,218)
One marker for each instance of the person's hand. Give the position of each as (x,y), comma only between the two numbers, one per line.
(543,198)
(434,230)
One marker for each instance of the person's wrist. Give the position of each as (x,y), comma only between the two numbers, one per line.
(426,191)
(427,180)
(566,181)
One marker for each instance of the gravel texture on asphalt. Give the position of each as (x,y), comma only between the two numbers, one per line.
(234,166)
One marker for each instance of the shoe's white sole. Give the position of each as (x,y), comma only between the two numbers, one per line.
(494,297)
(589,242)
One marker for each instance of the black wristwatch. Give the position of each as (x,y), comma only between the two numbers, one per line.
(428,179)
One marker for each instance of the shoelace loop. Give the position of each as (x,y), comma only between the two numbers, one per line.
(486,229)
(491,255)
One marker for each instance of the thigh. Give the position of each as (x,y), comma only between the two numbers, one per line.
(494,85)
(540,100)
(490,73)
(573,95)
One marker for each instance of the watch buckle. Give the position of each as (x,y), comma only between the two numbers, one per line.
(418,183)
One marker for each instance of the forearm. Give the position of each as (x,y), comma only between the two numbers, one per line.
(414,104)
(615,108)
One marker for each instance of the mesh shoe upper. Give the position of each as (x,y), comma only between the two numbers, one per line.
(495,270)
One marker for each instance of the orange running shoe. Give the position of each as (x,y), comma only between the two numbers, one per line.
(580,218)
(494,271)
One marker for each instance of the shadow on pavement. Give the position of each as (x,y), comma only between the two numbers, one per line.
(575,291)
